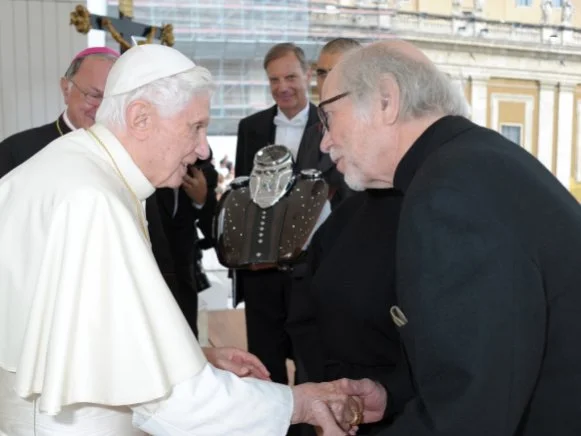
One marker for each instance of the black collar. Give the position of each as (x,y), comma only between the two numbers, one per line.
(438,134)
(61,126)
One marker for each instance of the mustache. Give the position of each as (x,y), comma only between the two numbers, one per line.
(334,155)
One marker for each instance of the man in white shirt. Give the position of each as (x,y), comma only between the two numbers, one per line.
(266,293)
(91,339)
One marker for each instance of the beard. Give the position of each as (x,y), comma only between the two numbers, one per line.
(354,181)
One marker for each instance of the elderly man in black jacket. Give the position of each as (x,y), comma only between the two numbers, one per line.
(487,257)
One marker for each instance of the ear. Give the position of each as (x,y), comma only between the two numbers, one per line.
(390,99)
(139,118)
(65,89)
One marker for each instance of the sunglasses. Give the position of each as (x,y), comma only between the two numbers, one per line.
(322,72)
(322,114)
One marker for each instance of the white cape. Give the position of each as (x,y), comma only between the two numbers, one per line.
(85,315)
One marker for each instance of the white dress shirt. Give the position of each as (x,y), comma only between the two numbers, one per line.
(290,132)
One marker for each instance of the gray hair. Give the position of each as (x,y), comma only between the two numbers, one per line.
(280,50)
(169,95)
(75,65)
(424,89)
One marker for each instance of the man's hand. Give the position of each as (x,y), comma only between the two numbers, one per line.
(372,394)
(322,405)
(196,186)
(240,362)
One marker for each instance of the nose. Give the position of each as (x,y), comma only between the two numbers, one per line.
(326,142)
(203,149)
(284,86)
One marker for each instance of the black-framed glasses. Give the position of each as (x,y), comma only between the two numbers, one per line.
(322,114)
(91,98)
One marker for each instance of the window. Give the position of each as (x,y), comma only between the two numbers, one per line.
(512,132)
(524,2)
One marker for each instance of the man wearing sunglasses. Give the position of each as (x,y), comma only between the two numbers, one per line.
(330,54)
(301,309)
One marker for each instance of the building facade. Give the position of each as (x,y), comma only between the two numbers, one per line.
(518,61)
(36,47)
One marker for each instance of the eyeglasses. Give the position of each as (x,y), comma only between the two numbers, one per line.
(322,73)
(90,97)
(322,114)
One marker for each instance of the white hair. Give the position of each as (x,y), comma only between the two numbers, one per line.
(169,95)
(424,89)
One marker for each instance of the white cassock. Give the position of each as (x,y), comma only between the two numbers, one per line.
(91,340)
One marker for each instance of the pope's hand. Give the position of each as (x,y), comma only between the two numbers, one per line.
(240,362)
(322,405)
(372,395)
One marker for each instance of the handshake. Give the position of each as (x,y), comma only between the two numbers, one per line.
(337,408)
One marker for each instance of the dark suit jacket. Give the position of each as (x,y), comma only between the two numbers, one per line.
(258,131)
(176,247)
(255,132)
(489,278)
(18,148)
(337,319)
(311,156)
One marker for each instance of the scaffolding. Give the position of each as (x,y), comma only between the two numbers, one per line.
(231,37)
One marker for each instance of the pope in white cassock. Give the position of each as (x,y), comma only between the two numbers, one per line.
(91,340)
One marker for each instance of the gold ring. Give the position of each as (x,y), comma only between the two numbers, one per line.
(357,418)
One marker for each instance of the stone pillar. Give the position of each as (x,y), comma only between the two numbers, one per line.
(565,133)
(546,128)
(97,38)
(37,45)
(479,100)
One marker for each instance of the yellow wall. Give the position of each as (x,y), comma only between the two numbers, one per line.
(515,87)
(496,10)
(410,5)
(512,113)
(434,7)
